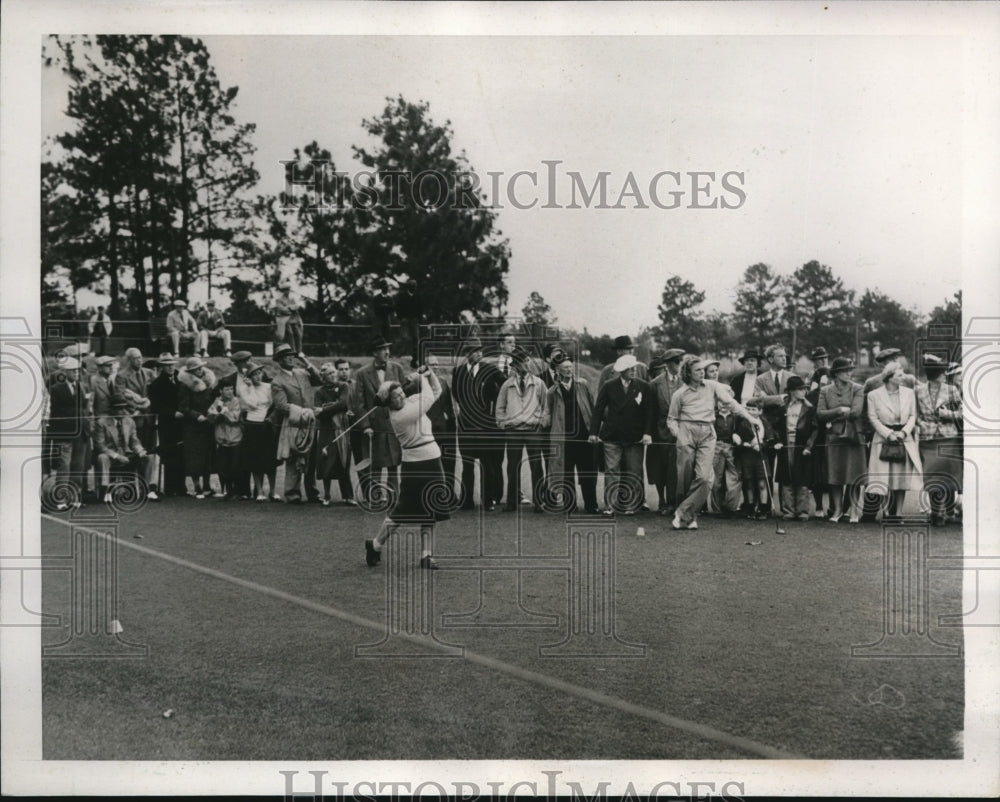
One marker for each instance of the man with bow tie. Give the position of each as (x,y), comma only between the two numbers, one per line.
(621,420)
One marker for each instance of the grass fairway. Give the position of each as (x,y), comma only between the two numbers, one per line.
(252,614)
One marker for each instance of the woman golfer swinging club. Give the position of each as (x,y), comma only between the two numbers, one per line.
(423,493)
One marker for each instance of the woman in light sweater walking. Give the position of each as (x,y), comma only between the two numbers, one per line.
(423,493)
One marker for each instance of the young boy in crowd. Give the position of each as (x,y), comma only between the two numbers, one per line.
(226,413)
(751,454)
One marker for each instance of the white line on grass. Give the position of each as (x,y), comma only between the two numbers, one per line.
(579,691)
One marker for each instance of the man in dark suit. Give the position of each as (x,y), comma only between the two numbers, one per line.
(621,420)
(475,385)
(661,456)
(164,403)
(443,424)
(623,347)
(379,441)
(68,429)
(553,355)
(291,392)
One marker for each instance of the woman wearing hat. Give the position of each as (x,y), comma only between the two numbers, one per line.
(194,398)
(797,437)
(260,440)
(423,495)
(939,410)
(821,378)
(892,411)
(839,410)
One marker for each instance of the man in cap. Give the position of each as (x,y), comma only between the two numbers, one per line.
(67,429)
(181,326)
(621,420)
(102,386)
(291,396)
(212,326)
(475,385)
(520,410)
(692,421)
(553,356)
(99,328)
(118,447)
(661,456)
(623,347)
(164,403)
(380,442)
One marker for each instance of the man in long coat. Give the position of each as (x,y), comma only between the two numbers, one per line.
(569,411)
(379,443)
(291,395)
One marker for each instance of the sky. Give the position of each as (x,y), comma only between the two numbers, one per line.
(846,146)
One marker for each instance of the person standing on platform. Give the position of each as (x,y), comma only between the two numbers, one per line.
(99,328)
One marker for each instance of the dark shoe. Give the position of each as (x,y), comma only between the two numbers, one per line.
(537,509)
(371,556)
(762,515)
(592,511)
(428,563)
(509,508)
(491,507)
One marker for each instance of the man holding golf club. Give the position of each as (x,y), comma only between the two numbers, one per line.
(691,420)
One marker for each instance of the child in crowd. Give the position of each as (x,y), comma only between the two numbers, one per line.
(226,414)
(751,454)
(795,462)
(725,496)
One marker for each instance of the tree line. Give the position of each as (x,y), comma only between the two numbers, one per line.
(152,189)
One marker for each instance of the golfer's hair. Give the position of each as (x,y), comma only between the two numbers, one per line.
(690,360)
(384,391)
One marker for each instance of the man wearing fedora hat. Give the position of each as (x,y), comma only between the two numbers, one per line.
(118,447)
(621,421)
(212,326)
(475,385)
(291,394)
(164,403)
(661,456)
(101,386)
(623,347)
(181,326)
(820,358)
(380,443)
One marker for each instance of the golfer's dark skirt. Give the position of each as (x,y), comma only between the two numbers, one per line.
(423,493)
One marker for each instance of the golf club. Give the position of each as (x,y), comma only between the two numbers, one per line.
(778,530)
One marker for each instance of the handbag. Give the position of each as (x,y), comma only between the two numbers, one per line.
(892,451)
